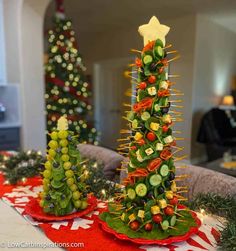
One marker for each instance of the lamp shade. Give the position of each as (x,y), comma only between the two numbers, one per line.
(228,100)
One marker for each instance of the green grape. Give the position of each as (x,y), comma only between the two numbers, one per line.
(76,195)
(64,150)
(77,203)
(48,165)
(67,165)
(41,203)
(54,135)
(46,174)
(73,188)
(52,153)
(84,204)
(62,134)
(69,173)
(46,181)
(63,142)
(53,144)
(65,157)
(70,181)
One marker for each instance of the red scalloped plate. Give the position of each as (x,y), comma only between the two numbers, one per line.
(33,209)
(167,241)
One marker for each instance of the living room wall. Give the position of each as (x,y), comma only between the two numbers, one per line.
(214,67)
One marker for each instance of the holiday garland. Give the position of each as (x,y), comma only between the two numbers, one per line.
(21,165)
(221,206)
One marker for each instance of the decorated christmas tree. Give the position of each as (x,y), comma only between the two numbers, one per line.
(150,206)
(67,91)
(64,190)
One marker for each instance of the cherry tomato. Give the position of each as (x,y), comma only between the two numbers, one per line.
(134,225)
(165,128)
(174,201)
(160,70)
(138,62)
(149,46)
(164,61)
(148,227)
(169,211)
(142,85)
(154,164)
(152,79)
(133,148)
(141,142)
(151,136)
(157,218)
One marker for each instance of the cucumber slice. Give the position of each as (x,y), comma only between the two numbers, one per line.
(164,170)
(157,108)
(130,115)
(155,180)
(134,123)
(165,224)
(147,59)
(131,193)
(159,51)
(173,220)
(141,190)
(145,116)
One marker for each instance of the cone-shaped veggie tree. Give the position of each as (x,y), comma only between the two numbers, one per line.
(149,206)
(64,190)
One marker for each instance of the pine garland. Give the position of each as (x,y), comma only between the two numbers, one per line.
(98,183)
(21,165)
(222,206)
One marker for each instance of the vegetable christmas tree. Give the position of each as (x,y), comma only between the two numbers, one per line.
(149,207)
(67,91)
(64,190)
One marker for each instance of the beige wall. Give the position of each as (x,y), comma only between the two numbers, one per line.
(24,57)
(215,64)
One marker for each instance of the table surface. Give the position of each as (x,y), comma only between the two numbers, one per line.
(15,229)
(216,166)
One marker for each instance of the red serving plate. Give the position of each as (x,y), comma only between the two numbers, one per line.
(33,209)
(167,241)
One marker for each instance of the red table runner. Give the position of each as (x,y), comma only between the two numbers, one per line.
(86,230)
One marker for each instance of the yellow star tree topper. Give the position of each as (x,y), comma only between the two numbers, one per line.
(153,30)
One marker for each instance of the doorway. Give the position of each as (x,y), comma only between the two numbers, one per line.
(110,86)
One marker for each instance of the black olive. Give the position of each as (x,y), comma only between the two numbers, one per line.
(51,205)
(47,197)
(167,183)
(63,196)
(69,137)
(150,195)
(171,176)
(58,150)
(165,110)
(74,168)
(153,66)
(134,204)
(78,178)
(161,190)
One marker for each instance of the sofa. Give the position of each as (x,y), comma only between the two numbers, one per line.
(200,180)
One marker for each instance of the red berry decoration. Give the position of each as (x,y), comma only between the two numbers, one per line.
(141,142)
(157,218)
(138,62)
(134,225)
(142,85)
(148,227)
(165,128)
(151,136)
(169,211)
(152,79)
(174,201)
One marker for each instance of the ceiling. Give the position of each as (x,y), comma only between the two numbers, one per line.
(105,15)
